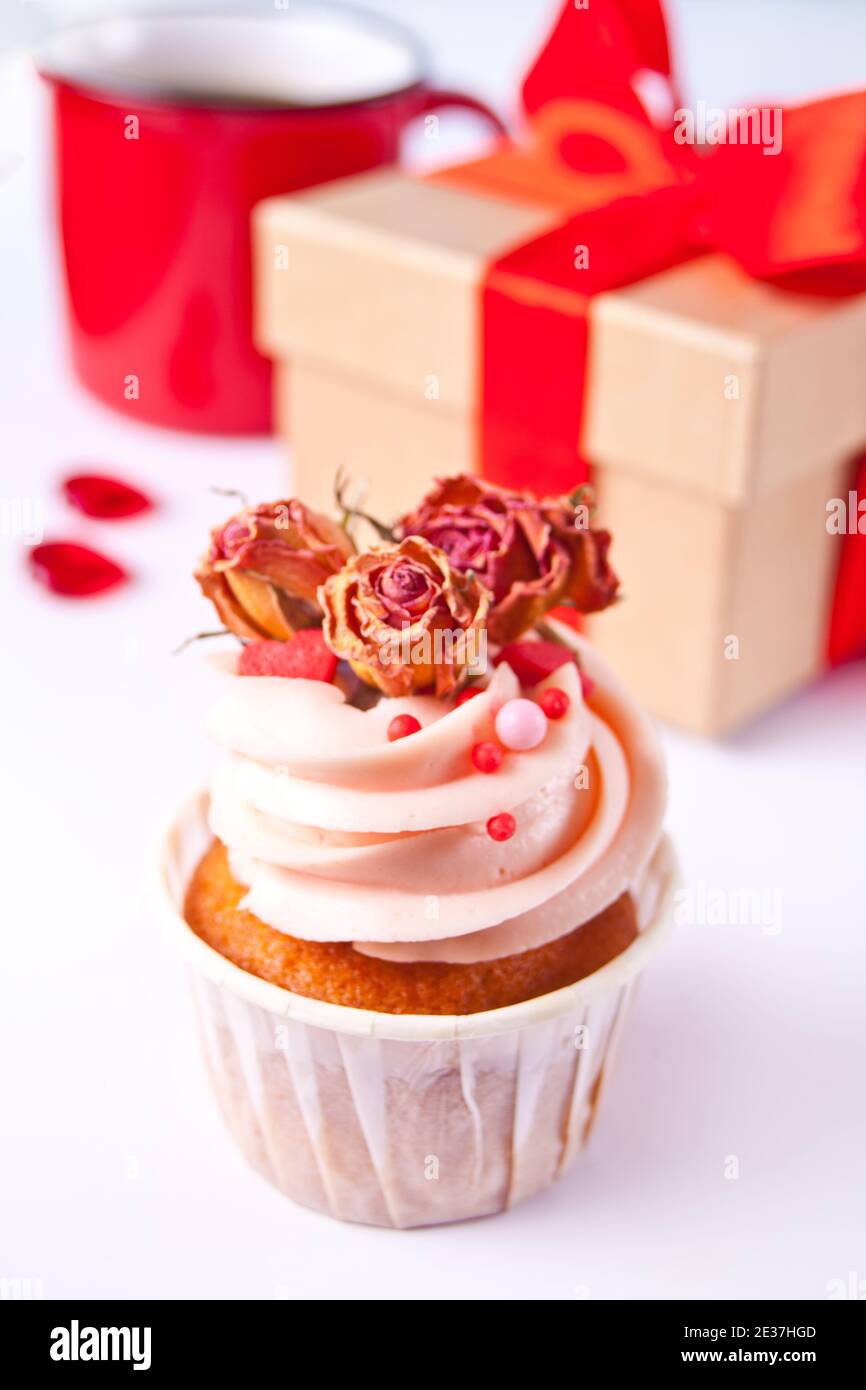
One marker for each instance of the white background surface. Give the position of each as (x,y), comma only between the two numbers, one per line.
(117,1176)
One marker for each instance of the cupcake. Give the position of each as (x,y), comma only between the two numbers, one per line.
(430,864)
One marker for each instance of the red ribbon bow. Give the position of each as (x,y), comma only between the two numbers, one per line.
(796,218)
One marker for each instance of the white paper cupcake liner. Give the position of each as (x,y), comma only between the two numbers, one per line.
(405,1120)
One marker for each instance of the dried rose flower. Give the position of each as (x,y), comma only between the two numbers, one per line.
(404,618)
(531,553)
(265,565)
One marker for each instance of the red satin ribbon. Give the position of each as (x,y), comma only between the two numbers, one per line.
(846,637)
(536,336)
(797,218)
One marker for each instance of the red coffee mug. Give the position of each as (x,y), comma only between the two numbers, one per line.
(169,128)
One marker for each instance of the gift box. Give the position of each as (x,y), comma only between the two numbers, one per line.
(541,325)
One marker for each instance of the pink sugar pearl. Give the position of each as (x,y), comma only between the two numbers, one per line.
(520,724)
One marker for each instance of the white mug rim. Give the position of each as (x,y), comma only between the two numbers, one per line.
(101,86)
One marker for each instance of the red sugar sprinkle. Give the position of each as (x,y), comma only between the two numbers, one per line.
(401,726)
(469,694)
(554,702)
(501,827)
(487,757)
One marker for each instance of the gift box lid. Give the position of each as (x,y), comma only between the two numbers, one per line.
(698,376)
(378,275)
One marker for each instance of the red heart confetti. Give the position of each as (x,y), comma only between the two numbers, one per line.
(108,499)
(74,570)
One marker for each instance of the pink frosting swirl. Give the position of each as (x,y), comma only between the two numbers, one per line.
(340,835)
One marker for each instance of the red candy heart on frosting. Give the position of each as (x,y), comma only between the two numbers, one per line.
(305,656)
(533,662)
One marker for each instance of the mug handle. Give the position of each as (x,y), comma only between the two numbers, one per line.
(432,98)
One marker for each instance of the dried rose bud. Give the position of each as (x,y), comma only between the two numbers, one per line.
(531,554)
(265,566)
(404,618)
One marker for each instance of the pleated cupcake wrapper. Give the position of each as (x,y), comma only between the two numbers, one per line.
(405,1120)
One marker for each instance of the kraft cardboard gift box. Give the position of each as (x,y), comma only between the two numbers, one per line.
(721,416)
